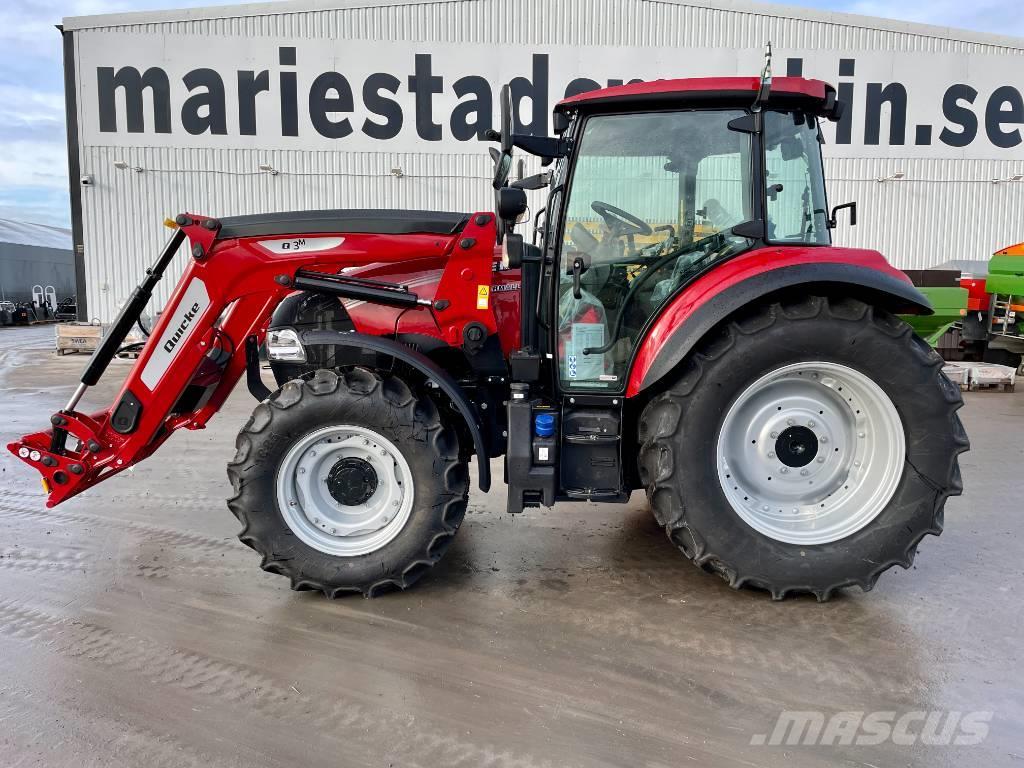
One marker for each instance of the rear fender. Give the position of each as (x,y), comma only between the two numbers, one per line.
(754,277)
(426,366)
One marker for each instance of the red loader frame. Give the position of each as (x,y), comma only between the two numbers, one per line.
(224,300)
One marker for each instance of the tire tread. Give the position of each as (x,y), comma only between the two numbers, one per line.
(657,468)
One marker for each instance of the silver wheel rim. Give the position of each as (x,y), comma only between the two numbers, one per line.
(799,491)
(323,522)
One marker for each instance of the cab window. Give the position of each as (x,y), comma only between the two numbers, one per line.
(652,201)
(796,209)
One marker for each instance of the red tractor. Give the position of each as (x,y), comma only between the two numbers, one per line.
(680,323)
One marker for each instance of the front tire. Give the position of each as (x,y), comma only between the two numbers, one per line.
(348,482)
(807,447)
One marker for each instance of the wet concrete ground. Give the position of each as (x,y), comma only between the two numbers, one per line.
(136,630)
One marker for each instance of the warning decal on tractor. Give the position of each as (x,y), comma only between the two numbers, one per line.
(483,295)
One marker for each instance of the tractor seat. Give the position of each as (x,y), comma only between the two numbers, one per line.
(374,222)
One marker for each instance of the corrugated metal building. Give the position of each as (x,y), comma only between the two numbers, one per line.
(34,255)
(206,110)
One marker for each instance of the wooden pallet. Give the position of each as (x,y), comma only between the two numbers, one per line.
(975,377)
(998,386)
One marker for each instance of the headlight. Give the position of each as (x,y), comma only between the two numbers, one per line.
(283,346)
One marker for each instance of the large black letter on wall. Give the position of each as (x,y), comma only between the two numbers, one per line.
(249,85)
(996,116)
(321,103)
(289,92)
(380,105)
(133,83)
(425,85)
(479,108)
(896,95)
(537,92)
(959,116)
(215,119)
(580,85)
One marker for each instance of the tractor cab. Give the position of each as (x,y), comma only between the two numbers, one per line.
(658,183)
(654,185)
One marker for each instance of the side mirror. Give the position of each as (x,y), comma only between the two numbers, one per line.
(832,222)
(559,122)
(511,203)
(512,251)
(502,166)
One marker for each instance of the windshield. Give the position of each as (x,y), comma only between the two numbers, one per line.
(796,209)
(652,202)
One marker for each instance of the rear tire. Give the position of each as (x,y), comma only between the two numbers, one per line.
(682,466)
(402,490)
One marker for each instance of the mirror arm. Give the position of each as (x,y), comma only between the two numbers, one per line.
(833,221)
(542,146)
(536,181)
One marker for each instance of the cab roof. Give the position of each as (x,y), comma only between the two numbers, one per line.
(814,95)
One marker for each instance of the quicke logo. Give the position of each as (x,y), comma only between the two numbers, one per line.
(186,321)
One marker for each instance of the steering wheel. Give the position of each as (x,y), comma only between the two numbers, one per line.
(615,218)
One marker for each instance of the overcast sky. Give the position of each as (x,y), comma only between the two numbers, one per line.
(33,159)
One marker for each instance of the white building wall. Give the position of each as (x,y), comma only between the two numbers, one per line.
(945,207)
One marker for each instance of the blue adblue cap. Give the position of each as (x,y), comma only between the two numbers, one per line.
(544,424)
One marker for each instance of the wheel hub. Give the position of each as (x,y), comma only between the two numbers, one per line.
(810,453)
(796,446)
(352,481)
(345,490)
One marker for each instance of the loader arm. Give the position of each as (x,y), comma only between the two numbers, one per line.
(221,306)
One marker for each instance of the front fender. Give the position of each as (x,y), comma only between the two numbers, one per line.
(753,276)
(426,366)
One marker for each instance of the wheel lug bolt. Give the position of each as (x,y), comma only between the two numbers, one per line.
(821,459)
(823,439)
(771,455)
(860,434)
(784,470)
(856,463)
(383,452)
(810,424)
(804,472)
(302,470)
(790,422)
(291,503)
(774,435)
(764,508)
(366,442)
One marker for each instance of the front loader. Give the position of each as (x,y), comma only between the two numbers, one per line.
(676,320)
